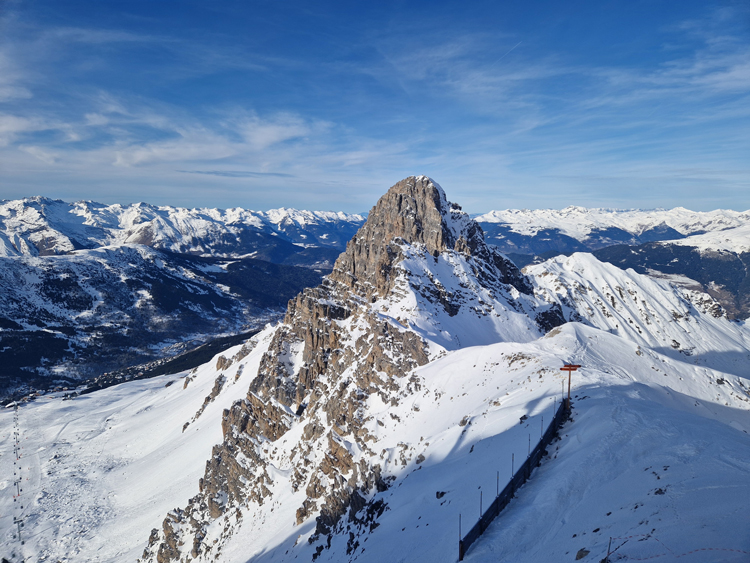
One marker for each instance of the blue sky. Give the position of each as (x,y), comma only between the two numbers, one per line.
(324,105)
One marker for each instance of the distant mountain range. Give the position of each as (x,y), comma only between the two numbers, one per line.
(578,229)
(88,288)
(708,251)
(40,226)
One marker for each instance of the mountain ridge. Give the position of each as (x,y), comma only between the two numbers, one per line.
(42,226)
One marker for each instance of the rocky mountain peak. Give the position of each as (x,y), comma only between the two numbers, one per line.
(416,281)
(414,211)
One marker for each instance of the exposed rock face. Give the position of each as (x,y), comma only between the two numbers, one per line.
(334,351)
(415,211)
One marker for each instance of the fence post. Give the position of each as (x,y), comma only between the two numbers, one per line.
(460,541)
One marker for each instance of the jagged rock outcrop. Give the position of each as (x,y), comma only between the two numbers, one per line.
(358,335)
(415,211)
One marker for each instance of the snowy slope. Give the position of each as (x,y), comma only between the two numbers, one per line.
(113,468)
(686,325)
(735,239)
(656,458)
(99,471)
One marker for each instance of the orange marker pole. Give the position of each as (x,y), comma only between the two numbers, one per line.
(570,368)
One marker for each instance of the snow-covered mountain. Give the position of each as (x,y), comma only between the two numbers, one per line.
(40,226)
(87,288)
(72,317)
(705,250)
(576,229)
(390,397)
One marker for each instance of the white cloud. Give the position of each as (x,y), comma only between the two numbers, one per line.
(12,126)
(11,77)
(41,154)
(260,134)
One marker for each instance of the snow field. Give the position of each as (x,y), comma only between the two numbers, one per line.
(107,467)
(466,425)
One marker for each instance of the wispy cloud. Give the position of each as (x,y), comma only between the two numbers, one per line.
(238,173)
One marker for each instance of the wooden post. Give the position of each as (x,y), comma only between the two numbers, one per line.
(570,368)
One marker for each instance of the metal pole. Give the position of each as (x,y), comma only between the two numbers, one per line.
(512,460)
(606,559)
(529,452)
(498,484)
(541,430)
(570,372)
(480,505)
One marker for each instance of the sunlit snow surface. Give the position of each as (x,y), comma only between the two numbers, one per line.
(101,470)
(648,419)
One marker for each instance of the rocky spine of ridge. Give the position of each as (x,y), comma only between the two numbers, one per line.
(319,373)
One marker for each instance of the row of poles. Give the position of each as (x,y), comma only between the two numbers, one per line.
(567,367)
(512,466)
(17,482)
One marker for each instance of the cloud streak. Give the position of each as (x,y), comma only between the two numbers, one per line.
(238,173)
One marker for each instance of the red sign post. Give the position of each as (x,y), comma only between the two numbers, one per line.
(570,368)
